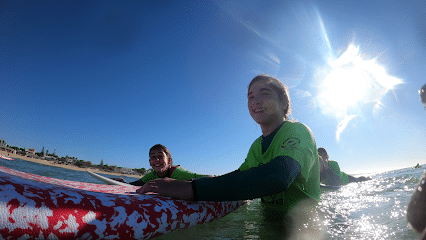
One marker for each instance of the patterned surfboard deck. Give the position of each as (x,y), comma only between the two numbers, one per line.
(37,207)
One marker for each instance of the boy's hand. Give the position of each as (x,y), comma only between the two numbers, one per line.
(168,187)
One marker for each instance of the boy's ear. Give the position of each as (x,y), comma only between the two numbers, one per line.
(284,105)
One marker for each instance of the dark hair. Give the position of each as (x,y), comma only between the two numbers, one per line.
(279,87)
(164,149)
(422,93)
(321,151)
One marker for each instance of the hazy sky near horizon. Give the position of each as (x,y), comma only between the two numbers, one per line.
(106,80)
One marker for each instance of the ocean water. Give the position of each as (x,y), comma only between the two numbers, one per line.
(375,209)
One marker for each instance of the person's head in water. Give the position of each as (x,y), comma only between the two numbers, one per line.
(322,164)
(268,102)
(422,93)
(323,159)
(160,159)
(323,153)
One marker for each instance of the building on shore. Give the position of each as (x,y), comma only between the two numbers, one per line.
(2,144)
(31,151)
(8,150)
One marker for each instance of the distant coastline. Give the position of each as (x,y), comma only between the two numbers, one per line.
(72,167)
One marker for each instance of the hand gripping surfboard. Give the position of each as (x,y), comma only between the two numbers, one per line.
(37,207)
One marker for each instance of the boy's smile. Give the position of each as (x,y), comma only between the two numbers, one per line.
(264,105)
(158,161)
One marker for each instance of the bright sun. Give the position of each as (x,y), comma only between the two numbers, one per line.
(343,88)
(351,81)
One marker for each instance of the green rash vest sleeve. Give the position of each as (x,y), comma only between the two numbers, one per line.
(249,184)
(182,174)
(334,166)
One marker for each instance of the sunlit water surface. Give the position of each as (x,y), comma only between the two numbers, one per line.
(374,209)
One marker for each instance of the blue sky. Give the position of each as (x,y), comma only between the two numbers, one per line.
(109,79)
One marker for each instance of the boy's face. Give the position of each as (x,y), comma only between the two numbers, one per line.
(325,156)
(158,160)
(323,164)
(264,103)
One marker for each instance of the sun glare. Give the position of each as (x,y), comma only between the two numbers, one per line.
(350,82)
(343,88)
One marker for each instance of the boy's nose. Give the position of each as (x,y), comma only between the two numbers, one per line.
(256,100)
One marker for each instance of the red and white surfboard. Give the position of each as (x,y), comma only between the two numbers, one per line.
(37,207)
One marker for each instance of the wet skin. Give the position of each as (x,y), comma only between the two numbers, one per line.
(159,162)
(265,106)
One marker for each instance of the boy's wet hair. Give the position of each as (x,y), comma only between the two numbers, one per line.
(164,149)
(279,87)
(422,93)
(322,151)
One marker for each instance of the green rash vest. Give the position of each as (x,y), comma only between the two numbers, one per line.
(296,141)
(334,166)
(178,173)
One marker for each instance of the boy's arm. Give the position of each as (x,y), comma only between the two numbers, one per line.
(260,181)
(264,180)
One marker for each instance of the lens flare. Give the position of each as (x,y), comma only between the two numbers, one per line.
(351,82)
